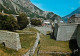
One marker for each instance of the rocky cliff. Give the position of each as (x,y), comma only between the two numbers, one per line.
(17,6)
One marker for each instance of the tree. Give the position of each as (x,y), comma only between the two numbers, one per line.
(9,23)
(1,16)
(35,22)
(22,20)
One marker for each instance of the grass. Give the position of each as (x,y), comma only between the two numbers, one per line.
(31,29)
(27,30)
(27,41)
(50,45)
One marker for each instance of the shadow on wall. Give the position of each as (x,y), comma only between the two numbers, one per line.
(74,47)
(52,35)
(73,44)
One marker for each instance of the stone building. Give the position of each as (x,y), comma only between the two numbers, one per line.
(74,18)
(10,40)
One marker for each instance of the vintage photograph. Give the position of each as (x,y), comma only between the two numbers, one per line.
(39,27)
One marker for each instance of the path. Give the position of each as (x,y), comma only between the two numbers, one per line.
(32,50)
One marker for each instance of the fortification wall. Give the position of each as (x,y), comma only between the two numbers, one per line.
(44,29)
(66,32)
(78,35)
(55,30)
(10,40)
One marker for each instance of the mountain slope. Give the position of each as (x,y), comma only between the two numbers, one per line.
(77,11)
(17,6)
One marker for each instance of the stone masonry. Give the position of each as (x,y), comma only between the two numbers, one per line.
(10,40)
(64,32)
(44,29)
(74,18)
(78,35)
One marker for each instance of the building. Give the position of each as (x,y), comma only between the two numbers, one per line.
(47,22)
(74,18)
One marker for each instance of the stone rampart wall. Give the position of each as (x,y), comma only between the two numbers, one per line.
(78,35)
(10,40)
(44,29)
(66,32)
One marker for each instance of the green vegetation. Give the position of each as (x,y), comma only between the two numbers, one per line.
(48,44)
(8,9)
(31,29)
(27,37)
(25,30)
(49,16)
(51,45)
(8,23)
(22,20)
(27,40)
(35,22)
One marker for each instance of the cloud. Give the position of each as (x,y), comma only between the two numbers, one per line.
(72,8)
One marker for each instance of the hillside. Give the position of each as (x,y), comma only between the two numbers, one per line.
(77,11)
(17,6)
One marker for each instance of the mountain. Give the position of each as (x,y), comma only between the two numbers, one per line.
(77,11)
(17,6)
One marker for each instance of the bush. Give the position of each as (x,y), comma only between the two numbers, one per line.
(35,22)
(22,20)
(8,23)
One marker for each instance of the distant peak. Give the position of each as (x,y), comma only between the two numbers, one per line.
(78,8)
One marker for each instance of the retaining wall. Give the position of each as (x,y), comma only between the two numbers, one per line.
(44,29)
(78,35)
(10,40)
(32,50)
(65,32)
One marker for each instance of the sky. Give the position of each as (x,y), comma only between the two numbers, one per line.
(59,7)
